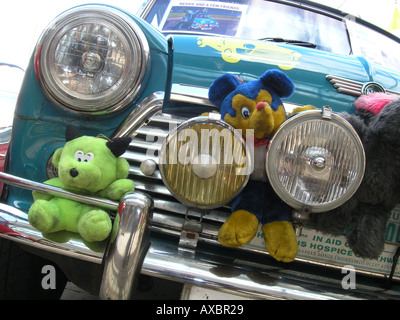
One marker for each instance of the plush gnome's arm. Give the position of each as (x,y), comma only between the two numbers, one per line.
(117,189)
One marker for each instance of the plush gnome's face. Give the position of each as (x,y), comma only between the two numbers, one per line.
(255,105)
(86,163)
(91,164)
(256,114)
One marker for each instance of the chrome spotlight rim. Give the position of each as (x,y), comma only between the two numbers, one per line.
(311,170)
(205,180)
(92,59)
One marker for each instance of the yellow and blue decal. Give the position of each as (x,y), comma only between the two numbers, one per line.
(234,50)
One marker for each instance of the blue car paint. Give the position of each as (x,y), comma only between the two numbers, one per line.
(206,64)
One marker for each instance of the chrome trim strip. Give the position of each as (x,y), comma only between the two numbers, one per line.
(393,92)
(190,94)
(140,115)
(345,86)
(247,279)
(124,258)
(17,221)
(350,87)
(44,188)
(146,8)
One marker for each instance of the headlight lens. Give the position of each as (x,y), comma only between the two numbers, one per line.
(315,162)
(92,59)
(205,162)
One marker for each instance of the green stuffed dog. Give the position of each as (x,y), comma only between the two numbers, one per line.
(88,166)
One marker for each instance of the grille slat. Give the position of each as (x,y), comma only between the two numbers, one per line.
(135,170)
(146,145)
(150,186)
(138,157)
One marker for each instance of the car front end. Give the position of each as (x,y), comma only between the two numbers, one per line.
(108,71)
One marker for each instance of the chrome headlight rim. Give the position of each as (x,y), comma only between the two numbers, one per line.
(124,90)
(206,120)
(292,122)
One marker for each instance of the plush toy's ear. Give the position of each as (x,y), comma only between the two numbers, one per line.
(56,157)
(118,145)
(385,125)
(72,133)
(279,82)
(373,102)
(221,87)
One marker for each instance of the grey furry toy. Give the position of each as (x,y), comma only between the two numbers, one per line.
(364,217)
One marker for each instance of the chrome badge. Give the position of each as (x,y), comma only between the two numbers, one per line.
(372,87)
(356,88)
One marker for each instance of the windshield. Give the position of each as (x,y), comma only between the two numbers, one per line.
(251,19)
(371,45)
(273,21)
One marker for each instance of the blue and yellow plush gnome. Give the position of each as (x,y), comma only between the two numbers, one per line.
(257,105)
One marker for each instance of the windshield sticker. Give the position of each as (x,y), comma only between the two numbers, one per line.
(211,17)
(233,51)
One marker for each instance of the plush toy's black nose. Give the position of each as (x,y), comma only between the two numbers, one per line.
(73,172)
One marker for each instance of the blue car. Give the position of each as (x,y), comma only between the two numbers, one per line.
(204,22)
(110,71)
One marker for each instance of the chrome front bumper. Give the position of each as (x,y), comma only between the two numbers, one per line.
(131,254)
(121,258)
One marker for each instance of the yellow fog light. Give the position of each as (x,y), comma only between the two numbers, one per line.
(205,162)
(315,161)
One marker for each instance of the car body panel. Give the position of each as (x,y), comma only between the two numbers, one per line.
(307,68)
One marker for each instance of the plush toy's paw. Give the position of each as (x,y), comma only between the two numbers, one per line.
(280,240)
(117,189)
(94,225)
(302,108)
(367,246)
(366,235)
(239,229)
(45,217)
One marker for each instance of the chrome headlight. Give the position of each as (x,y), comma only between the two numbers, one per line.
(205,162)
(315,161)
(92,59)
